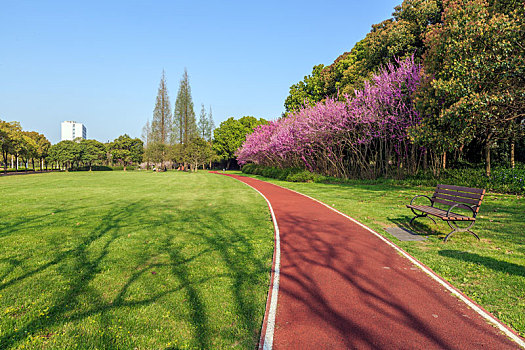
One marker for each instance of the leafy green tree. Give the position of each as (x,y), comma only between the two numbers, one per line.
(156,152)
(23,147)
(403,35)
(30,149)
(184,124)
(198,152)
(126,150)
(347,73)
(66,153)
(176,153)
(475,87)
(306,92)
(92,151)
(161,124)
(10,132)
(231,134)
(41,147)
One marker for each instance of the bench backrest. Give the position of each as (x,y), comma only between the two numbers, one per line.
(465,196)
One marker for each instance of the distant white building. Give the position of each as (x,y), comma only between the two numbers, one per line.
(72,130)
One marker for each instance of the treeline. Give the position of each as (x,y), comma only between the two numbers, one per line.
(461,101)
(123,151)
(27,146)
(30,147)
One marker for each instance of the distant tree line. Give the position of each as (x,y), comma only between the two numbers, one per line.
(26,146)
(29,146)
(123,151)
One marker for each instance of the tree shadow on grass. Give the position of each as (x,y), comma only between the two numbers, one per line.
(79,275)
(244,267)
(491,263)
(24,222)
(84,262)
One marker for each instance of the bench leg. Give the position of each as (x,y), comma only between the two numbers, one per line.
(453,225)
(421,216)
(450,234)
(475,235)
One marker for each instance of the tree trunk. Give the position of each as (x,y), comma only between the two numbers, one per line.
(512,161)
(487,159)
(413,159)
(425,159)
(444,163)
(228,164)
(33,163)
(5,161)
(16,163)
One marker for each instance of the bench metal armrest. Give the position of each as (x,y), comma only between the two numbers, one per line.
(422,195)
(463,205)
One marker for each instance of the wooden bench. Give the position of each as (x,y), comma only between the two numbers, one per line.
(452,197)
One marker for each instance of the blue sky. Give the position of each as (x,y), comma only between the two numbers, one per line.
(100,62)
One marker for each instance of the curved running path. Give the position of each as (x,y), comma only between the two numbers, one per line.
(342,287)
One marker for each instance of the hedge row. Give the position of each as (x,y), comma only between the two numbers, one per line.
(503,180)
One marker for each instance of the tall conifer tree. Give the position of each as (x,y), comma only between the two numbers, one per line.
(211,125)
(203,123)
(161,125)
(184,124)
(146,133)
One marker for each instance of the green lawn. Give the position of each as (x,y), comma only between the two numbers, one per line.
(491,272)
(132,260)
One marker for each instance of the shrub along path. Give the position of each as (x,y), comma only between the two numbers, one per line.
(343,287)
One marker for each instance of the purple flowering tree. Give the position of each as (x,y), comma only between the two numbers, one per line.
(362,136)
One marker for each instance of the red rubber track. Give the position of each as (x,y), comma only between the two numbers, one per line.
(341,287)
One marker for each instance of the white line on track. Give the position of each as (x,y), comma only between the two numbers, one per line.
(491,319)
(267,341)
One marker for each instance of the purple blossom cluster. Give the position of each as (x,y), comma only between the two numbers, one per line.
(334,136)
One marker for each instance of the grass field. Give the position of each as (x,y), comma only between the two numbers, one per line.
(491,272)
(132,260)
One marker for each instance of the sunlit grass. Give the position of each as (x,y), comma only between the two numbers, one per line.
(492,272)
(128,260)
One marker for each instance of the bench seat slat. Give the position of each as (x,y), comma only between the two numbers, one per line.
(440,213)
(463,189)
